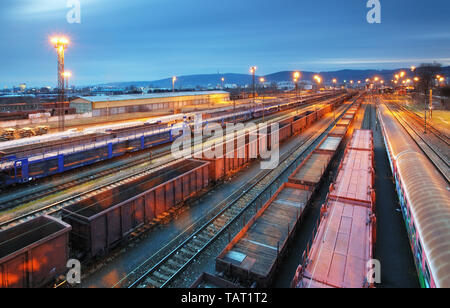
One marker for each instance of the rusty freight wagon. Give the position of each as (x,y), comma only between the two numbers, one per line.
(253,255)
(102,221)
(298,123)
(34,253)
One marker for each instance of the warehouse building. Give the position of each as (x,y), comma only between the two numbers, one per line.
(120,104)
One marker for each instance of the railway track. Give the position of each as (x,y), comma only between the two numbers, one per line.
(249,197)
(56,207)
(434,145)
(430,128)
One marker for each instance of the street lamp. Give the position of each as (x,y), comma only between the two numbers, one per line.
(253,72)
(318,80)
(297,76)
(60,44)
(262,80)
(173,83)
(223,79)
(67,75)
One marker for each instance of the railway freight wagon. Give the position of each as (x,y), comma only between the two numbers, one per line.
(34,253)
(342,245)
(424,201)
(104,220)
(26,164)
(253,255)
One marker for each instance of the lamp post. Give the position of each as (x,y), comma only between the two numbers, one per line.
(253,72)
(67,75)
(223,79)
(297,76)
(173,83)
(60,44)
(262,80)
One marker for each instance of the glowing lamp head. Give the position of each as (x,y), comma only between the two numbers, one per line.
(334,80)
(253,69)
(262,80)
(60,42)
(296,75)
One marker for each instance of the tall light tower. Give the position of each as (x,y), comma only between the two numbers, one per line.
(60,44)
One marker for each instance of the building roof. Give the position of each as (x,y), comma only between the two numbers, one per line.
(111,98)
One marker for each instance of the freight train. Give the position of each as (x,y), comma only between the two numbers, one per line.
(424,200)
(91,227)
(23,161)
(343,243)
(252,257)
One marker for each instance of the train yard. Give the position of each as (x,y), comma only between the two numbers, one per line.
(138,218)
(89,181)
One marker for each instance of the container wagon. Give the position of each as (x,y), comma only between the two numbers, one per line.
(342,246)
(34,253)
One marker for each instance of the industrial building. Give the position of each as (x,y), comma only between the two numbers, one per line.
(120,104)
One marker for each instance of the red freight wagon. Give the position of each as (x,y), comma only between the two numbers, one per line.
(33,253)
(101,222)
(299,123)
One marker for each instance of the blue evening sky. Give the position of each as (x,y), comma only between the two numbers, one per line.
(131,40)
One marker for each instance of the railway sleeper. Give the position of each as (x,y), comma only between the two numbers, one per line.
(167,270)
(160,276)
(203,237)
(186,252)
(174,263)
(179,259)
(153,283)
(198,242)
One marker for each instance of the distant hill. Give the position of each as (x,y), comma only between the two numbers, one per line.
(212,80)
